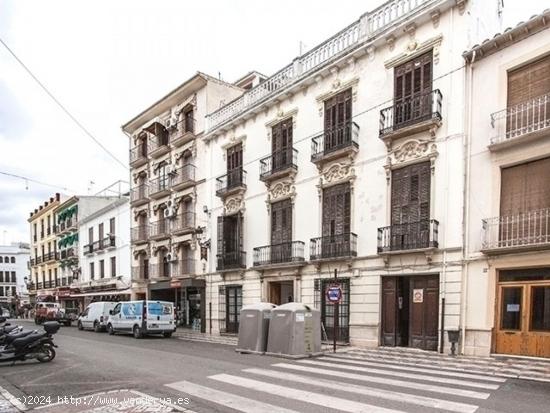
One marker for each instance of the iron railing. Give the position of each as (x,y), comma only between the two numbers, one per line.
(67,223)
(179,130)
(231,260)
(409,236)
(410,111)
(89,248)
(233,179)
(286,252)
(140,272)
(140,233)
(183,221)
(333,246)
(159,184)
(160,228)
(140,192)
(49,256)
(138,153)
(162,270)
(183,267)
(159,137)
(527,229)
(278,161)
(330,140)
(184,174)
(521,119)
(108,242)
(68,253)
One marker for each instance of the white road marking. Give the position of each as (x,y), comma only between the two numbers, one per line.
(392,382)
(404,375)
(233,401)
(302,395)
(369,391)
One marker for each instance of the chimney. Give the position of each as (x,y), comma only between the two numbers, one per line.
(51,199)
(57,197)
(40,208)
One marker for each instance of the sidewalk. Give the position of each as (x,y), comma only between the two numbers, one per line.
(191,335)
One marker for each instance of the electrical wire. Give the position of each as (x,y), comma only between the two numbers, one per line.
(27,180)
(63,108)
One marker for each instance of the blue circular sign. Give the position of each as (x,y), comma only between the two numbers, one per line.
(334,293)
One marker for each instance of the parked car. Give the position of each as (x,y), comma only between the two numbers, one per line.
(95,316)
(48,311)
(142,318)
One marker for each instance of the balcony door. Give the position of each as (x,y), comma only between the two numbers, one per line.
(230,240)
(234,166)
(410,207)
(338,117)
(412,90)
(336,221)
(234,303)
(281,145)
(281,231)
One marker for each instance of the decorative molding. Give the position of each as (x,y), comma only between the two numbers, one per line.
(390,41)
(281,115)
(139,212)
(370,52)
(281,190)
(461,4)
(411,151)
(139,174)
(337,87)
(337,172)
(435,15)
(414,49)
(233,205)
(232,141)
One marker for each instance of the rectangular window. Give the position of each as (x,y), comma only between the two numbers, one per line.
(13,277)
(1,276)
(92,274)
(90,235)
(338,117)
(540,308)
(511,308)
(112,227)
(113,266)
(102,268)
(55,275)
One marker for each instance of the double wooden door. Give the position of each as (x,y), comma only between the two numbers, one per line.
(338,115)
(234,303)
(281,145)
(281,231)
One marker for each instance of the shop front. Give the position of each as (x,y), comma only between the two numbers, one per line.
(190,304)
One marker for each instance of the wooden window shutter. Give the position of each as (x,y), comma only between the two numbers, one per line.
(529,81)
(336,209)
(410,194)
(220,235)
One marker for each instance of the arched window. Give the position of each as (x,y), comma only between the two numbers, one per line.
(1,260)
(13,260)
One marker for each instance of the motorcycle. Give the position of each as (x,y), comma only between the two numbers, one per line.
(25,345)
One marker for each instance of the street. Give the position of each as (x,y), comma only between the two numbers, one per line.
(205,377)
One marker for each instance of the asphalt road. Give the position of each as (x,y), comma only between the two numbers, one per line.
(215,378)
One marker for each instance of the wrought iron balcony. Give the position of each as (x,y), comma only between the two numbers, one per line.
(182,268)
(521,122)
(139,195)
(68,224)
(411,115)
(140,234)
(33,262)
(160,229)
(162,270)
(39,260)
(138,155)
(140,272)
(183,223)
(108,242)
(333,246)
(278,164)
(50,256)
(159,140)
(410,236)
(284,253)
(526,231)
(183,177)
(67,253)
(159,187)
(89,248)
(335,142)
(231,260)
(39,286)
(231,182)
(182,132)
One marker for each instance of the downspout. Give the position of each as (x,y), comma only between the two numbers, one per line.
(130,190)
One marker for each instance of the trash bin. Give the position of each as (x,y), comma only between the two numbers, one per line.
(294,331)
(254,327)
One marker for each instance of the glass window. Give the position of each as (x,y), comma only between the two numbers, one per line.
(113,266)
(511,308)
(540,308)
(13,277)
(528,274)
(13,260)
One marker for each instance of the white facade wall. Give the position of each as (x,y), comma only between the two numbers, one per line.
(21,254)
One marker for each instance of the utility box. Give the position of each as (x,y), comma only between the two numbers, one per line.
(294,331)
(254,328)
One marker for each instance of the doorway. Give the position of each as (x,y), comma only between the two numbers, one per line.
(192,309)
(281,292)
(410,308)
(327,312)
(234,303)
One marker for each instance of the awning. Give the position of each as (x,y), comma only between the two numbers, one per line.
(106,292)
(156,128)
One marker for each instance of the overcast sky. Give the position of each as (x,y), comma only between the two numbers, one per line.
(106,61)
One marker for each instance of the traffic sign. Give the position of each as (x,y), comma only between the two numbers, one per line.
(334,293)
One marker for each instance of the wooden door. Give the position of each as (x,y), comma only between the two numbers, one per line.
(338,115)
(275,293)
(390,323)
(234,166)
(281,145)
(234,297)
(424,310)
(336,220)
(281,231)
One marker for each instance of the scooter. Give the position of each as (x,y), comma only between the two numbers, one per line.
(34,345)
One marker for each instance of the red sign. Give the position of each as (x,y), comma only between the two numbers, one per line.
(175,283)
(334,293)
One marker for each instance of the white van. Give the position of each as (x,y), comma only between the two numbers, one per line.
(95,316)
(142,317)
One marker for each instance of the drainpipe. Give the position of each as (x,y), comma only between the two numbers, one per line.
(132,294)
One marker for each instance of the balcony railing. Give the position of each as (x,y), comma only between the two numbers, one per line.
(183,267)
(67,223)
(159,141)
(277,162)
(286,252)
(39,286)
(140,272)
(49,256)
(184,175)
(140,233)
(108,242)
(330,141)
(138,154)
(521,120)
(68,253)
(183,222)
(333,246)
(521,231)
(159,184)
(183,131)
(160,228)
(162,270)
(139,193)
(89,248)
(231,260)
(232,180)
(33,262)
(39,260)
(409,236)
(410,111)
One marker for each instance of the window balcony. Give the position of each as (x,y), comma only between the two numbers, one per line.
(33,262)
(159,187)
(50,256)
(39,260)
(183,268)
(526,231)
(232,182)
(89,249)
(333,247)
(337,142)
(140,234)
(109,242)
(183,223)
(67,225)
(139,195)
(183,177)
(279,164)
(138,155)
(67,253)
(411,115)
(140,272)
(231,261)
(162,270)
(39,286)
(409,237)
(521,123)
(160,229)
(279,255)
(159,141)
(182,132)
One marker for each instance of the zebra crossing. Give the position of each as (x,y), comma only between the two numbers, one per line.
(341,382)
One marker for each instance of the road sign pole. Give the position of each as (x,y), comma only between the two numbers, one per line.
(335,323)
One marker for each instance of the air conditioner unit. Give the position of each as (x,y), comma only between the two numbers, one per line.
(168,212)
(171,123)
(168,257)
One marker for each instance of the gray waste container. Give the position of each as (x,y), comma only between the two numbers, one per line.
(294,331)
(254,327)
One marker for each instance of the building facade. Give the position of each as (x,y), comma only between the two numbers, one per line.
(14,271)
(168,165)
(507,211)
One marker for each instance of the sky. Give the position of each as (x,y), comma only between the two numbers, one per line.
(106,61)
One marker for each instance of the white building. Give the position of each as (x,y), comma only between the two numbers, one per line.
(14,274)
(104,255)
(507,210)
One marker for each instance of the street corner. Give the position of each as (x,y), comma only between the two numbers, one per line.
(124,400)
